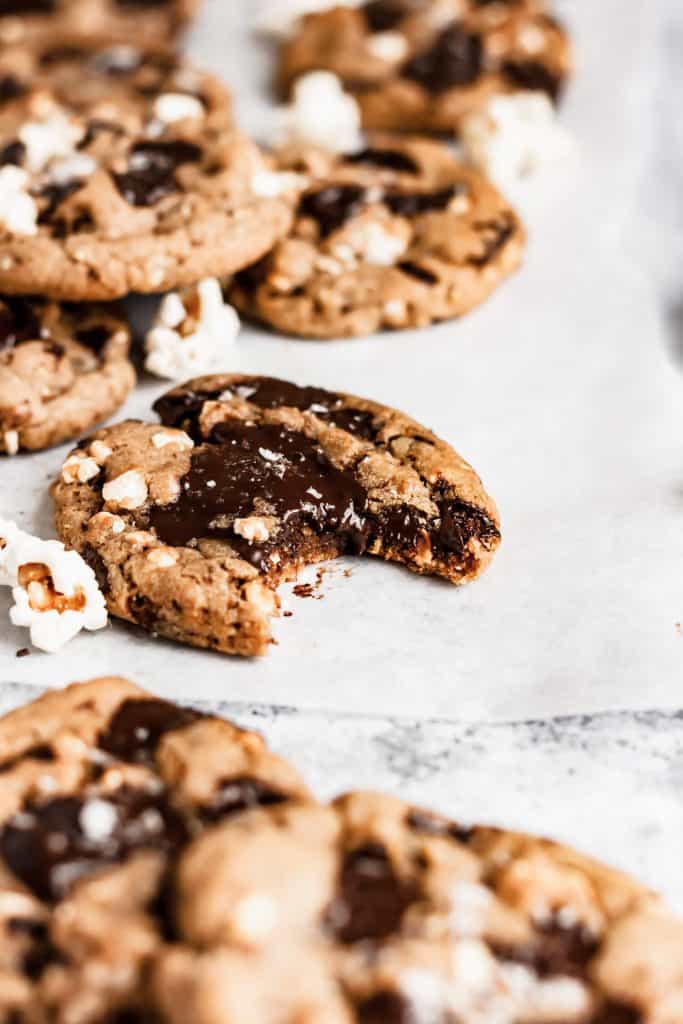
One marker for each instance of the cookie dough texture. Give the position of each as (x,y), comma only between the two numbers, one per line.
(158,864)
(38,23)
(398,235)
(422,65)
(63,369)
(191,526)
(134,172)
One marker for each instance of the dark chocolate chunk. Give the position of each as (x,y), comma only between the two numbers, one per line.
(535,76)
(371,900)
(554,951)
(412,204)
(41,752)
(418,272)
(134,732)
(391,159)
(182,409)
(11,88)
(54,196)
(48,848)
(333,206)
(151,170)
(251,278)
(385,1008)
(617,1013)
(460,523)
(13,153)
(18,322)
(236,795)
(95,337)
(454,60)
(287,473)
(15,8)
(270,393)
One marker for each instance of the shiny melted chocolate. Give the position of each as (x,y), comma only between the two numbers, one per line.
(387,159)
(331,207)
(534,76)
(288,474)
(386,1008)
(454,60)
(18,322)
(233,796)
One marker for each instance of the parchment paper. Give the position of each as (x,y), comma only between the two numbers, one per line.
(559,391)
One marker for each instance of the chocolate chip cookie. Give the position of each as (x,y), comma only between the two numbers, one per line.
(161,865)
(92,22)
(102,787)
(399,234)
(121,171)
(422,65)
(190,526)
(63,369)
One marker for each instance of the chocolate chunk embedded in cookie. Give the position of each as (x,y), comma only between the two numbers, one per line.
(400,234)
(63,369)
(103,786)
(121,170)
(37,23)
(195,523)
(423,66)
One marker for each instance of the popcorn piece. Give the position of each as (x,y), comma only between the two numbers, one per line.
(514,136)
(55,592)
(322,114)
(192,332)
(18,210)
(162,558)
(55,136)
(79,467)
(377,245)
(280,18)
(127,491)
(177,106)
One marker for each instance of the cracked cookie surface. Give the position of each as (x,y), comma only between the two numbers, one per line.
(398,235)
(120,171)
(63,369)
(158,864)
(192,525)
(423,65)
(92,22)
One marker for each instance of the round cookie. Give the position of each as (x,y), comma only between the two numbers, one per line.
(38,23)
(191,526)
(63,369)
(423,65)
(121,171)
(398,235)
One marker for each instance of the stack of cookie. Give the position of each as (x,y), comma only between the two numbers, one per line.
(161,866)
(120,171)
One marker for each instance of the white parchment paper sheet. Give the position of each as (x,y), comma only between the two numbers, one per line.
(561,394)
